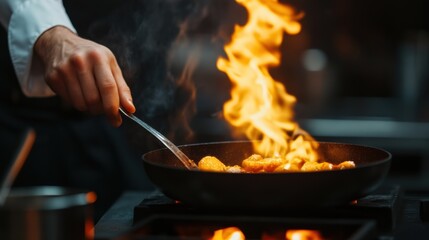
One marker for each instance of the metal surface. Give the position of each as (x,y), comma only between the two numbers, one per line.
(47,213)
(188,163)
(265,191)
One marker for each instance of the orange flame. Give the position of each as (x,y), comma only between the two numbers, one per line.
(230,233)
(303,235)
(259,106)
(234,233)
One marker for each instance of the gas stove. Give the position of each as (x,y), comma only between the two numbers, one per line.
(388,213)
(165,226)
(383,206)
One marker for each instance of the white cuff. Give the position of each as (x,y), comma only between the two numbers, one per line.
(27,23)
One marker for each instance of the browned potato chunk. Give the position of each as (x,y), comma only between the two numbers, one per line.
(309,166)
(345,165)
(234,169)
(256,163)
(288,167)
(315,166)
(252,163)
(210,163)
(325,166)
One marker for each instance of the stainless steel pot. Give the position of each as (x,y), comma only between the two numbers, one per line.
(45,213)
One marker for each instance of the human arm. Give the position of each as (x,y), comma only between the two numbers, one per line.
(25,21)
(83,73)
(55,65)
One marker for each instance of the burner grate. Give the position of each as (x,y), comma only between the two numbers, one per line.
(172,227)
(383,206)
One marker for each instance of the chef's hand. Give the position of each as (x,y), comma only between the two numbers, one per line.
(84,73)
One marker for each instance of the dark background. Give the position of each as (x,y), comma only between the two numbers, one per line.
(359,70)
(371,88)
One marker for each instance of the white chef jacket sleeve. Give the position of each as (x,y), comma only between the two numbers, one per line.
(25,21)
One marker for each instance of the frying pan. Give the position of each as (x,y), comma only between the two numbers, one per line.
(225,190)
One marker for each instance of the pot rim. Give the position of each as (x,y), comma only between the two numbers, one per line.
(47,198)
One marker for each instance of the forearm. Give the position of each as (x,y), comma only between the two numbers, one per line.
(25,21)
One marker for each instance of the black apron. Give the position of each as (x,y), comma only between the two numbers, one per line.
(71,148)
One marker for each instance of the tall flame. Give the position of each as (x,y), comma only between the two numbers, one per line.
(260,106)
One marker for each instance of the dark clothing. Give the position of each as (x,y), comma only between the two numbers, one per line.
(71,148)
(85,153)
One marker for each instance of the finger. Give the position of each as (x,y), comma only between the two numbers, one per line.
(56,83)
(125,97)
(109,92)
(73,88)
(88,85)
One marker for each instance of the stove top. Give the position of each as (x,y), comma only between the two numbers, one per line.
(167,226)
(391,212)
(160,217)
(383,206)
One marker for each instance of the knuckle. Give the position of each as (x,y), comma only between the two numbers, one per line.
(125,89)
(78,61)
(105,50)
(61,69)
(108,87)
(97,54)
(52,76)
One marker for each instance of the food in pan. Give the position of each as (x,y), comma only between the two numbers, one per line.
(258,164)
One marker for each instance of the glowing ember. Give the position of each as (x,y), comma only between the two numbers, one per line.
(234,233)
(259,106)
(303,235)
(230,233)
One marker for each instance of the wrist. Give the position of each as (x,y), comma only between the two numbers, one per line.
(49,39)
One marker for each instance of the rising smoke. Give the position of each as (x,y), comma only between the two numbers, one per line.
(143,36)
